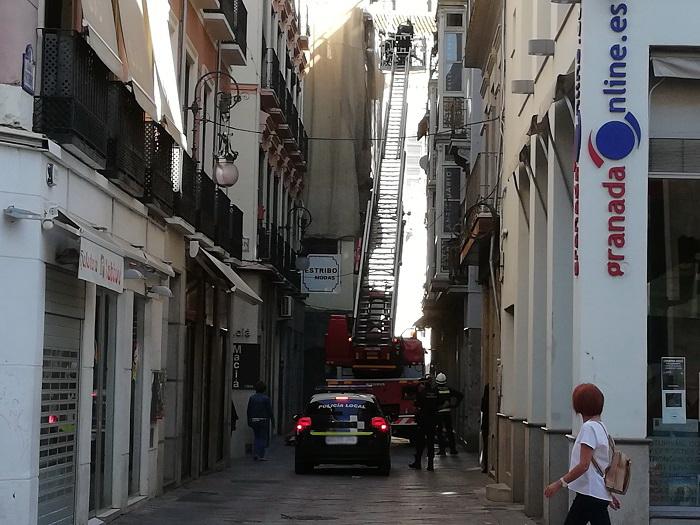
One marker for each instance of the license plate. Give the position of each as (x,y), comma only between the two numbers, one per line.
(341,440)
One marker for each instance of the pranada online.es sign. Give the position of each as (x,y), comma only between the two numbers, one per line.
(610,144)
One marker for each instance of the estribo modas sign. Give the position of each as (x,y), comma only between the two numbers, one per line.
(322,275)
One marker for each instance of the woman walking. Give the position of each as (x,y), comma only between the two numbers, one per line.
(592,445)
(259,418)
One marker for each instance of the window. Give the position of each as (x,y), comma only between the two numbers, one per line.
(453,113)
(453,20)
(451,199)
(453,61)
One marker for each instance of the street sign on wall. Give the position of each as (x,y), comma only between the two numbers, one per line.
(322,275)
(246,366)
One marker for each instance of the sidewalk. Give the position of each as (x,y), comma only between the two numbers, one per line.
(270,493)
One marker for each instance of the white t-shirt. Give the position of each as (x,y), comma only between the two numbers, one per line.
(591,483)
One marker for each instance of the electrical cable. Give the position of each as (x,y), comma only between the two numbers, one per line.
(351,139)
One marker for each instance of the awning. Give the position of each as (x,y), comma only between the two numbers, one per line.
(102,33)
(80,228)
(222,271)
(169,110)
(676,64)
(139,54)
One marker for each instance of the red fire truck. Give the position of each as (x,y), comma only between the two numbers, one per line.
(389,371)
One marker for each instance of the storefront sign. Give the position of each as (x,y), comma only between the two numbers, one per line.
(100,266)
(28,68)
(673,390)
(246,366)
(611,141)
(323,274)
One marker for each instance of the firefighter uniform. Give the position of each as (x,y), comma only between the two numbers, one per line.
(448,399)
(427,420)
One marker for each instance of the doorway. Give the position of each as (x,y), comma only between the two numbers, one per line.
(136,411)
(103,402)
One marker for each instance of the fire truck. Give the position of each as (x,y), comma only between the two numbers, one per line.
(367,355)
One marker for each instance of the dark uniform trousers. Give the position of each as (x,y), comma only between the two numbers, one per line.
(425,437)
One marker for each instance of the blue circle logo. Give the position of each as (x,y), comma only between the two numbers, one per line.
(615,140)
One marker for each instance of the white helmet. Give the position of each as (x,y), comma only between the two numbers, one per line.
(441,379)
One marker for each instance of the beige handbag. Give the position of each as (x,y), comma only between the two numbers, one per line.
(617,475)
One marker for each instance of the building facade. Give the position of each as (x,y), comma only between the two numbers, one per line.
(452,300)
(587,250)
(142,288)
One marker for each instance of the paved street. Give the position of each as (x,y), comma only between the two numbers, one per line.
(271,493)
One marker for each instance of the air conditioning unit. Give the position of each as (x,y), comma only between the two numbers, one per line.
(286,306)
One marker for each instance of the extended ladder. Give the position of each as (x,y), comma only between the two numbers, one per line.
(375,303)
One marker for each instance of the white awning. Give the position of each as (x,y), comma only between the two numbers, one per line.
(102,34)
(224,272)
(80,228)
(169,110)
(676,64)
(139,54)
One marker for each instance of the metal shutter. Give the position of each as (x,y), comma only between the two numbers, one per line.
(65,304)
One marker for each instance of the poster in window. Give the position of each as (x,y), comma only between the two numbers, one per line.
(673,395)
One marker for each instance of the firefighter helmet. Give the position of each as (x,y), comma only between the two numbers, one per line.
(441,379)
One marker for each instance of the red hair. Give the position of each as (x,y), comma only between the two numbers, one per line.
(588,400)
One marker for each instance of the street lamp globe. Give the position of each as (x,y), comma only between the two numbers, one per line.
(226,171)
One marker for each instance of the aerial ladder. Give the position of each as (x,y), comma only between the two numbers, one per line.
(375,303)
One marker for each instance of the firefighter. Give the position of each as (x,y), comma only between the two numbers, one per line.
(448,399)
(426,420)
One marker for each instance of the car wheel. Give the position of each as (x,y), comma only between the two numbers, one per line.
(302,467)
(385,467)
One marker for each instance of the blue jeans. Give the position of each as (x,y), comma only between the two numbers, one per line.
(261,433)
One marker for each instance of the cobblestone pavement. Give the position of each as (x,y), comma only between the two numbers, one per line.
(270,493)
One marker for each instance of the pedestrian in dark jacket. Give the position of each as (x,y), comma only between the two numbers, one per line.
(259,419)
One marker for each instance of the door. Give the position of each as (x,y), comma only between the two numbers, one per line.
(103,403)
(65,306)
(137,377)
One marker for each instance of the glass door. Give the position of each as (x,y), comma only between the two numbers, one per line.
(103,403)
(673,328)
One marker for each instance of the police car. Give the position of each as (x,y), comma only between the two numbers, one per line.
(342,428)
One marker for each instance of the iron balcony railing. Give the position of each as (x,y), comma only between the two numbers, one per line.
(236,232)
(206,205)
(481,194)
(223,223)
(240,27)
(127,141)
(272,75)
(293,119)
(159,165)
(72,105)
(185,203)
(263,243)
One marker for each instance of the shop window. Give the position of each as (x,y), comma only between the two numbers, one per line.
(673,329)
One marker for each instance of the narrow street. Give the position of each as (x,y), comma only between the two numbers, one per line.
(270,493)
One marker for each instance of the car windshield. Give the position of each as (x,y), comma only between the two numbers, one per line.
(343,409)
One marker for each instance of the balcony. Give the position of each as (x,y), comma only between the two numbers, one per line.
(274,249)
(273,88)
(206,206)
(479,204)
(236,250)
(234,53)
(223,225)
(205,4)
(127,141)
(159,168)
(185,201)
(72,106)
